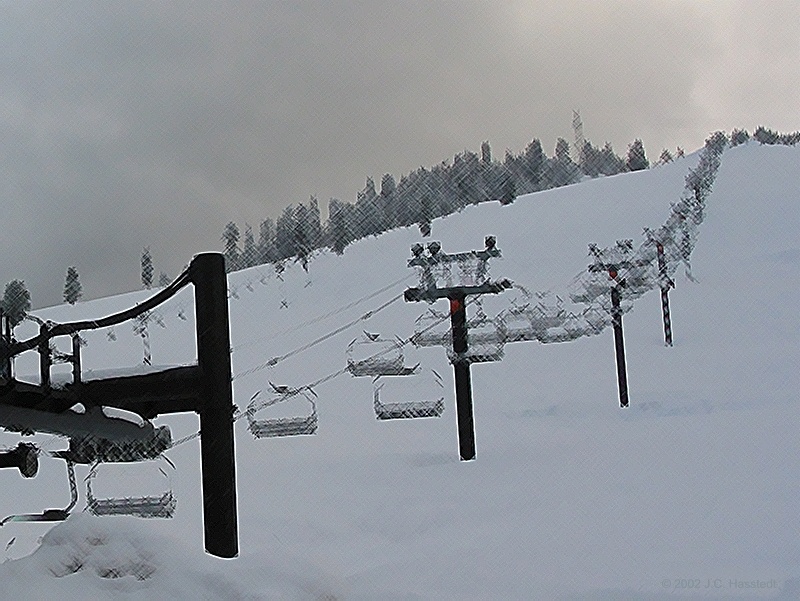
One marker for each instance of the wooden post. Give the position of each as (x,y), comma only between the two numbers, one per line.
(5,343)
(76,358)
(619,344)
(44,358)
(461,367)
(665,286)
(207,273)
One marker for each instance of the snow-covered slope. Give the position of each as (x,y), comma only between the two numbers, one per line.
(690,492)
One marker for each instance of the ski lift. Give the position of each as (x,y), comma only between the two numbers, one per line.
(485,340)
(419,385)
(573,326)
(545,317)
(591,286)
(597,319)
(518,324)
(638,280)
(432,329)
(282,426)
(150,506)
(371,355)
(51,515)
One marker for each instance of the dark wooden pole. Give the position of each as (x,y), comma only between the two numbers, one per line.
(76,358)
(461,366)
(44,358)
(5,344)
(665,285)
(207,273)
(619,344)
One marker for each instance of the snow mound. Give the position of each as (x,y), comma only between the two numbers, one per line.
(125,558)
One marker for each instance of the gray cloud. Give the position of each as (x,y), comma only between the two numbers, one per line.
(139,123)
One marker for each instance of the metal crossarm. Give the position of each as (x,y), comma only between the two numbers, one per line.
(425,294)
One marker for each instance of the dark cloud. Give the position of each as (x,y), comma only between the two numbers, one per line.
(140,123)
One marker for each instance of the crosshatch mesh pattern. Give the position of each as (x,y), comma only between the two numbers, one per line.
(403,389)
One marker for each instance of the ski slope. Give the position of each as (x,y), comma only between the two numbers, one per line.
(692,492)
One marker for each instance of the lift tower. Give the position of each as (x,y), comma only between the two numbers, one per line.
(457,295)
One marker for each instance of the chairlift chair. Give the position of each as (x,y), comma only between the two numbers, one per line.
(597,319)
(51,515)
(149,506)
(485,340)
(545,317)
(433,406)
(639,279)
(371,355)
(282,426)
(432,329)
(573,327)
(590,286)
(518,324)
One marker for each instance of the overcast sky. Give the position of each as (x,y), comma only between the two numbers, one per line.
(125,124)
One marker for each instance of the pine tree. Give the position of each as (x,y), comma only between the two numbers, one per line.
(249,257)
(486,153)
(147,268)
(368,218)
(163,280)
(637,160)
(16,302)
(560,170)
(610,162)
(285,231)
(739,136)
(231,238)
(562,150)
(314,224)
(302,244)
(590,160)
(72,287)
(266,242)
(339,231)
(765,136)
(388,202)
(508,188)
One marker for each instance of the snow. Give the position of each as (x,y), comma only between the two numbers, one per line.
(690,493)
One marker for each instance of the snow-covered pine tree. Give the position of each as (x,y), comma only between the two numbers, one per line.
(533,162)
(739,136)
(589,159)
(285,234)
(637,160)
(231,238)
(339,232)
(249,253)
(16,302)
(266,242)
(147,268)
(72,287)
(560,170)
(610,163)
